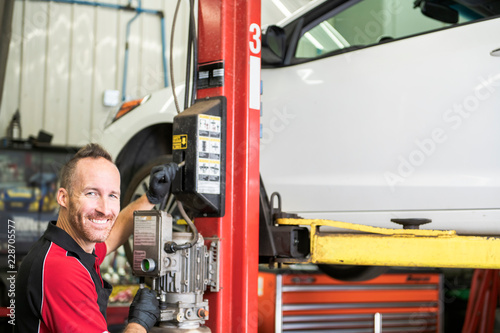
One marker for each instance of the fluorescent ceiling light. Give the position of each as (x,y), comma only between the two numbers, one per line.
(282,8)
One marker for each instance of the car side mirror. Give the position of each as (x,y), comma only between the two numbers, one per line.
(439,12)
(273,46)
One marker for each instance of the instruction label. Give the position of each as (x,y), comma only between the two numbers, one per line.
(209,154)
(145,230)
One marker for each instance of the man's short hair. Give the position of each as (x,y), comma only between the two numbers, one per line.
(92,150)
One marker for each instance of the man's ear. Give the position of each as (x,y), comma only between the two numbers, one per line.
(62,197)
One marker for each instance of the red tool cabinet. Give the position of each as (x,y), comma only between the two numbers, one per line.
(296,302)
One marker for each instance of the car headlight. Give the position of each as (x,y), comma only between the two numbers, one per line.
(126,107)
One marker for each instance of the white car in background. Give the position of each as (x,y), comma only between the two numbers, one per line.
(371,111)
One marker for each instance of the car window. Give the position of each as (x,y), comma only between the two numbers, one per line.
(369,22)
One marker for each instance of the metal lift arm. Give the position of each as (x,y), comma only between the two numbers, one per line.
(365,245)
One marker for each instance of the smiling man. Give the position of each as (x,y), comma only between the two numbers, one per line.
(60,288)
(90,206)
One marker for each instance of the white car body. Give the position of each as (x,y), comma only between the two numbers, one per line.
(404,129)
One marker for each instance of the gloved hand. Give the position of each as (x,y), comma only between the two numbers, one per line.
(145,309)
(161,178)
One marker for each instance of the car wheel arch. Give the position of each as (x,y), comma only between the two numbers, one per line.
(146,145)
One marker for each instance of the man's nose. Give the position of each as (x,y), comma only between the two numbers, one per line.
(104,206)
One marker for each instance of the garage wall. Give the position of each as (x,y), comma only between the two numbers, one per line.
(63,56)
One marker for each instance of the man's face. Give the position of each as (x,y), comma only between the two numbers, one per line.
(94,201)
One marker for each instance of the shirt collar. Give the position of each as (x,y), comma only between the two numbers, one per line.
(64,240)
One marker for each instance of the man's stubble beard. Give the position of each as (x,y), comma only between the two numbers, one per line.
(83,225)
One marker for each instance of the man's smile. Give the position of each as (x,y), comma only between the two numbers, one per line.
(102,221)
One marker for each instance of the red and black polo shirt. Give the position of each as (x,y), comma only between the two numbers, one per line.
(60,288)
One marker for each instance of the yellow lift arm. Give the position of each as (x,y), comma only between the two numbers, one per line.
(366,245)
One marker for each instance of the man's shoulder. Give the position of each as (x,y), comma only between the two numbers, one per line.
(61,259)
(35,257)
(63,270)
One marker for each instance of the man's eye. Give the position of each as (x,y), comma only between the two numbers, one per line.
(91,194)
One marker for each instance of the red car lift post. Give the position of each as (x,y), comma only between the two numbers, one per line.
(229,34)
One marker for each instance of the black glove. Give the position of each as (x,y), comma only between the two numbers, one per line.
(159,182)
(145,309)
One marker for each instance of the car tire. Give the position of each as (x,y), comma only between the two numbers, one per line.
(140,181)
(352,273)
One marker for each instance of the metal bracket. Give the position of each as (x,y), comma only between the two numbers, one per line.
(214,263)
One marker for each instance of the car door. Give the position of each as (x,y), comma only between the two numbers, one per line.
(385,113)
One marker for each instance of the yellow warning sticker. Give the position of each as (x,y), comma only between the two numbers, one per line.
(180,142)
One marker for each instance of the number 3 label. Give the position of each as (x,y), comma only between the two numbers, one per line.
(255,42)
